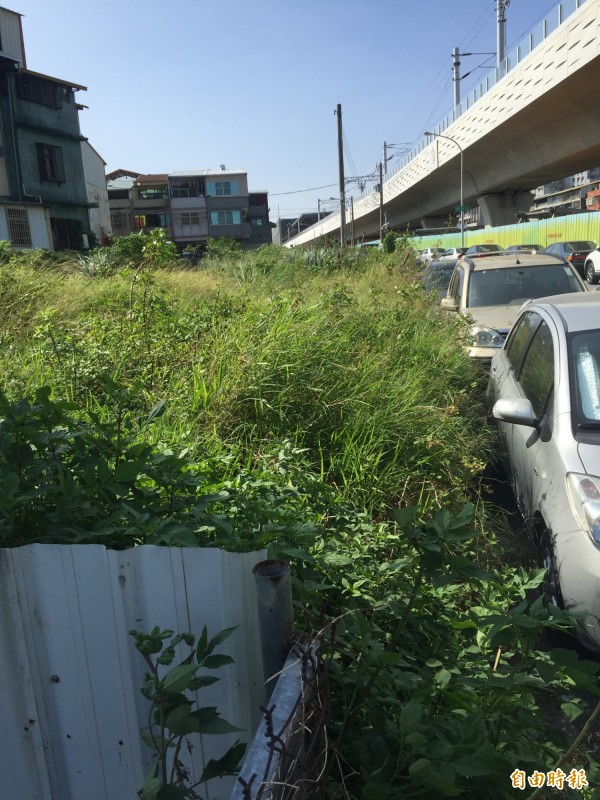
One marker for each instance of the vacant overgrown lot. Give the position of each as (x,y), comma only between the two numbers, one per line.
(317,404)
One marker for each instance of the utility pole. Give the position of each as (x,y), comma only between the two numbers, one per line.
(351,221)
(456,75)
(501,6)
(380,202)
(385,158)
(342,180)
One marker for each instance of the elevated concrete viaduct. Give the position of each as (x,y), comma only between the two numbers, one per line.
(539,123)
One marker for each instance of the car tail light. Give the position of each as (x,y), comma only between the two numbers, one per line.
(584,496)
(569,258)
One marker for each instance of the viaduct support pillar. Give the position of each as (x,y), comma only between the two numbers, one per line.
(501,208)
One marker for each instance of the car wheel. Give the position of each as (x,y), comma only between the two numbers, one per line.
(590,274)
(551,584)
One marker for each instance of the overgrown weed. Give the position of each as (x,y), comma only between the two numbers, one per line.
(327,413)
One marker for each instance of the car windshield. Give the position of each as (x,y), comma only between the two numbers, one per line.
(503,287)
(585,359)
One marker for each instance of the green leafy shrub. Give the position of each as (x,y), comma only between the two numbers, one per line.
(153,249)
(389,242)
(223,249)
(99,262)
(173,718)
(439,686)
(6,252)
(96,479)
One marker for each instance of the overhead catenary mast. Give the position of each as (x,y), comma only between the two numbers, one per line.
(456,75)
(501,6)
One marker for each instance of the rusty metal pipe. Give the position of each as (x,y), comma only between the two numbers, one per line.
(275,615)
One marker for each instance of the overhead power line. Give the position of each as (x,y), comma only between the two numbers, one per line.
(298,191)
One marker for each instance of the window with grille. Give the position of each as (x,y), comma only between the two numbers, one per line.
(119,220)
(187,219)
(18,227)
(152,194)
(225,217)
(50,163)
(187,189)
(39,90)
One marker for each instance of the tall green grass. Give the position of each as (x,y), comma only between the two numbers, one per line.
(307,398)
(356,366)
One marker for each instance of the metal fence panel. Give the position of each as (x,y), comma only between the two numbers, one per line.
(71,706)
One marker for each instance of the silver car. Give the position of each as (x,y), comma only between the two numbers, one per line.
(544,389)
(452,253)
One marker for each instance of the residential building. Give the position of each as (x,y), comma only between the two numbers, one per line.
(189,211)
(568,194)
(97,194)
(261,230)
(151,203)
(192,205)
(43,197)
(119,185)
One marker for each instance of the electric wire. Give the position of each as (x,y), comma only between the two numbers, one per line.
(299,191)
(434,85)
(349,160)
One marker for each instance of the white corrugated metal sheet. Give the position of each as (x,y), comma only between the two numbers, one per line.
(39,227)
(12,43)
(3,224)
(70,706)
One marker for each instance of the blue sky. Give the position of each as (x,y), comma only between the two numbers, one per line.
(253,84)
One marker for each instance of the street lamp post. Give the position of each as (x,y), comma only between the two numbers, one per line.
(462,208)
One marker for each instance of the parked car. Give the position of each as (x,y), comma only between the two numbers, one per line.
(483,248)
(452,253)
(429,254)
(525,248)
(544,389)
(574,252)
(436,276)
(591,269)
(491,289)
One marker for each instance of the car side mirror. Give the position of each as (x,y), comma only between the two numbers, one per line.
(448,304)
(517,411)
